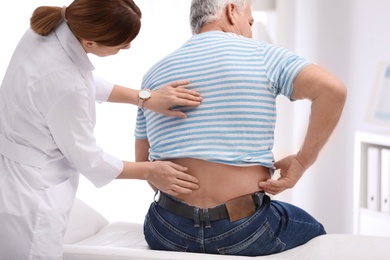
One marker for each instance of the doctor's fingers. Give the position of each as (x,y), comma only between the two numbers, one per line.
(183,183)
(185,93)
(180,89)
(182,97)
(186,182)
(179,83)
(176,186)
(187,100)
(171,173)
(181,188)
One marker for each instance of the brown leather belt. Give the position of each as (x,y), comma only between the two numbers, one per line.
(234,209)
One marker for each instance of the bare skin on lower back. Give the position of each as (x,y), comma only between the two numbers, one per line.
(219,183)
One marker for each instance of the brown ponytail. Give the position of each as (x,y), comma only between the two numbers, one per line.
(45,19)
(107,22)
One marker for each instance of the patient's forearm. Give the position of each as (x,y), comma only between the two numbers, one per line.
(325,114)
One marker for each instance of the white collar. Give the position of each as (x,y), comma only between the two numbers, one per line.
(73,48)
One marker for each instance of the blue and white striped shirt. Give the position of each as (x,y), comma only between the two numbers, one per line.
(239,79)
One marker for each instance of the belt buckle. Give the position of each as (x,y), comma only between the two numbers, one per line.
(240,207)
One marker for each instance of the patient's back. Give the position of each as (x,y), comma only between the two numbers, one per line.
(238,79)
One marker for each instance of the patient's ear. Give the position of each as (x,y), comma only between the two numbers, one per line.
(231,10)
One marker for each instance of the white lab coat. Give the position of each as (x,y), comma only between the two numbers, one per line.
(47,116)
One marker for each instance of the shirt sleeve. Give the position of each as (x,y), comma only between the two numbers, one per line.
(71,124)
(282,68)
(103,88)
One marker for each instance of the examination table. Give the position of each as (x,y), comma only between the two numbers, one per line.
(91,236)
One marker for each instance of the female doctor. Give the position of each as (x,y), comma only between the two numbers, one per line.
(47,116)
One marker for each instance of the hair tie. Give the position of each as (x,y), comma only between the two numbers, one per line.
(63,13)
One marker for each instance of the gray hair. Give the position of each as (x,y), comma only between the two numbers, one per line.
(205,11)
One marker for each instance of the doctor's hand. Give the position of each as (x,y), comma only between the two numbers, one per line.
(171,178)
(171,95)
(291,170)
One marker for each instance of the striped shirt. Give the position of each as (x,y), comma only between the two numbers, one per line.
(239,79)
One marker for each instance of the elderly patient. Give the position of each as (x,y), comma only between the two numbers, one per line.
(227,142)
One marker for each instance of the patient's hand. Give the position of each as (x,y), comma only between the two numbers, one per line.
(291,170)
(171,95)
(171,178)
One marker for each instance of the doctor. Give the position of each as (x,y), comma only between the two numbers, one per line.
(47,116)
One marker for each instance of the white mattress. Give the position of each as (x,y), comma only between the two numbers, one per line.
(125,241)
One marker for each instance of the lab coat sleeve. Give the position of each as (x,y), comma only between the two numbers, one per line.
(103,88)
(71,124)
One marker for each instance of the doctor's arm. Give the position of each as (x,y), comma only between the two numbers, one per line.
(162,100)
(71,125)
(327,95)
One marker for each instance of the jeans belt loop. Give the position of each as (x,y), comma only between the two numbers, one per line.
(206,216)
(156,196)
(196,217)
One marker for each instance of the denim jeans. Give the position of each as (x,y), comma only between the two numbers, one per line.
(274,227)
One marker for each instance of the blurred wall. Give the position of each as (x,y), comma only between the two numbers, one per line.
(350,39)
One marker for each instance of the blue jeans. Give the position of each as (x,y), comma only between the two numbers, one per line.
(274,227)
